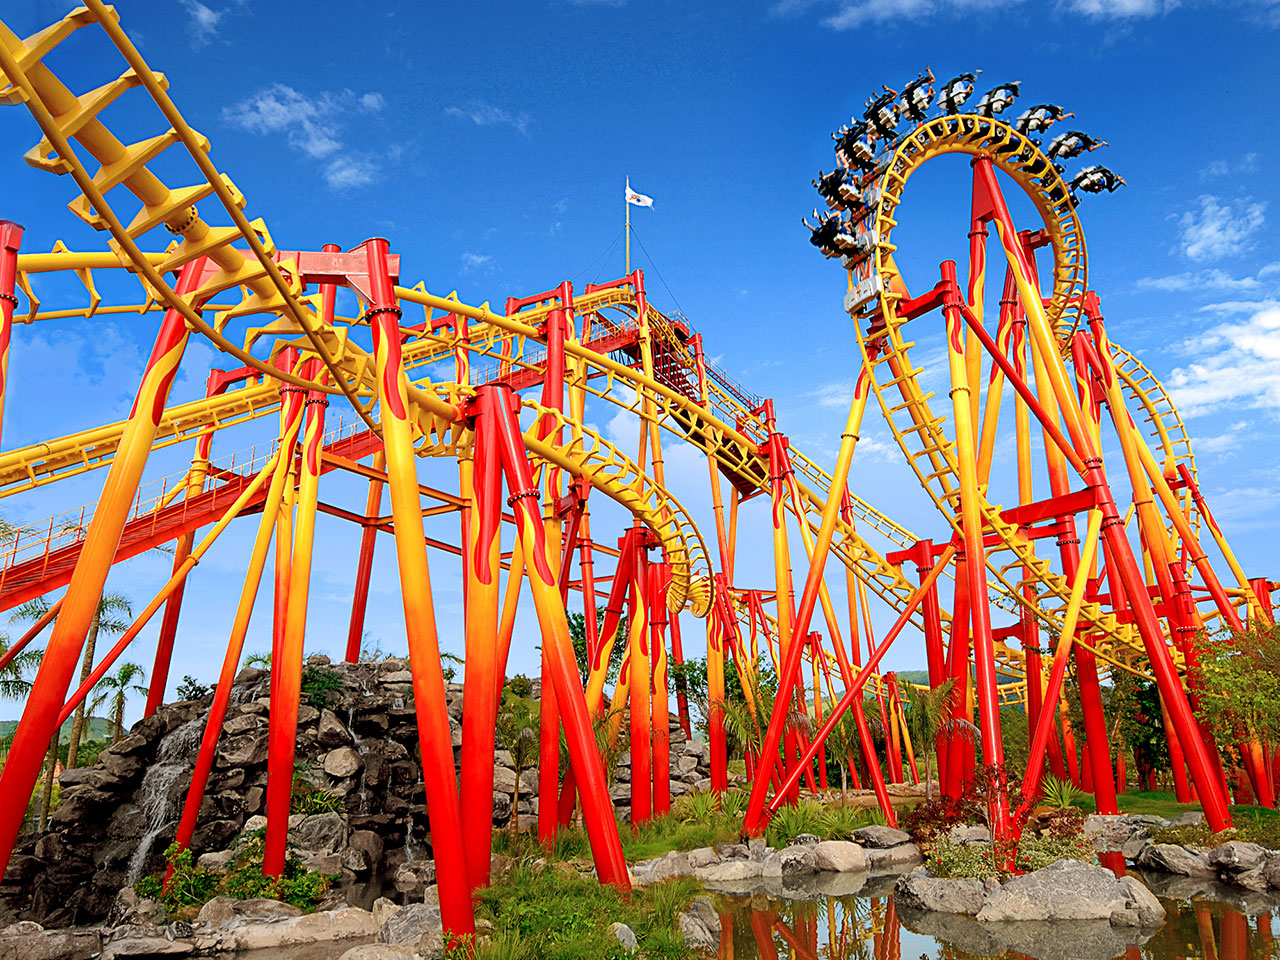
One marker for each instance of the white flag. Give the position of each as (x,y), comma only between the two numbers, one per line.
(639,199)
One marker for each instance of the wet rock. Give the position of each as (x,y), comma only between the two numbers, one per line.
(223,913)
(42,944)
(728,872)
(320,833)
(877,836)
(1171,858)
(673,864)
(409,923)
(702,856)
(920,891)
(700,925)
(1072,890)
(246,751)
(346,923)
(839,856)
(331,732)
(1236,856)
(894,858)
(380,951)
(343,762)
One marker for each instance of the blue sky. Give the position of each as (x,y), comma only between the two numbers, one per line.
(490,144)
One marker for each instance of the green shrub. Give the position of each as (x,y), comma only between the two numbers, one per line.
(792,820)
(309,799)
(839,822)
(190,886)
(960,860)
(696,806)
(321,686)
(1036,852)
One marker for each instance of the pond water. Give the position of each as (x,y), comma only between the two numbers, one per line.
(1204,920)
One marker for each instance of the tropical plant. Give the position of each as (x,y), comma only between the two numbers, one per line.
(518,728)
(192,689)
(14,682)
(696,806)
(116,689)
(840,821)
(926,716)
(1060,794)
(321,686)
(260,660)
(792,820)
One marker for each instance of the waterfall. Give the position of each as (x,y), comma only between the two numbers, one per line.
(173,760)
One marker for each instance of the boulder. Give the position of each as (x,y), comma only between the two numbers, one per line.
(409,923)
(728,871)
(839,856)
(42,944)
(877,836)
(920,891)
(223,913)
(331,732)
(380,951)
(970,833)
(700,925)
(673,864)
(1271,869)
(1171,858)
(146,947)
(1072,890)
(320,833)
(346,923)
(1236,856)
(893,859)
(249,750)
(625,936)
(343,762)
(794,861)
(1147,907)
(702,856)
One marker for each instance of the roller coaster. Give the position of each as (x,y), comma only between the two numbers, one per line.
(1131,592)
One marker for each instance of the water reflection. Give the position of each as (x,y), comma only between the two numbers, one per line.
(1215,923)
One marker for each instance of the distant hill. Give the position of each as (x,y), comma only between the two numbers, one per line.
(98,728)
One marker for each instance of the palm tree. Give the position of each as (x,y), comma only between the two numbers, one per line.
(119,686)
(518,728)
(111,617)
(845,743)
(926,718)
(14,684)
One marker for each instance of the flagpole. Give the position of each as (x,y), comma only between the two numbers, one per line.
(626,202)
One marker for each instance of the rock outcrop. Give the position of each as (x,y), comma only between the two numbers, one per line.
(117,817)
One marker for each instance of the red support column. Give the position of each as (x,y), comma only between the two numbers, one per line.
(62,652)
(10,241)
(597,807)
(660,713)
(434,740)
(364,564)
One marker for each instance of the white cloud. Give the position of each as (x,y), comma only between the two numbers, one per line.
(1226,168)
(836,394)
(312,124)
(484,114)
(1235,365)
(1220,229)
(483,262)
(1120,9)
(347,172)
(855,13)
(204,22)
(1210,280)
